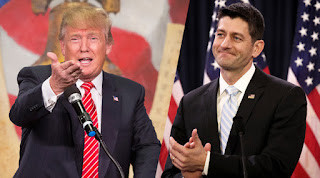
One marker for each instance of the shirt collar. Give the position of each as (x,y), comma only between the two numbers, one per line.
(241,84)
(96,81)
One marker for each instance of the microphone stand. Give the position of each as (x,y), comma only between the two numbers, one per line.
(98,137)
(239,127)
(244,169)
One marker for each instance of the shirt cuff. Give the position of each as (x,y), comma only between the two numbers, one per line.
(206,165)
(49,97)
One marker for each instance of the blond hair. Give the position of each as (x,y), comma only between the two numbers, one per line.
(82,17)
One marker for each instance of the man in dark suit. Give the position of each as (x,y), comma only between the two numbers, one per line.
(52,143)
(270,112)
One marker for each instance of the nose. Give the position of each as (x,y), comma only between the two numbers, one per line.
(226,43)
(84,45)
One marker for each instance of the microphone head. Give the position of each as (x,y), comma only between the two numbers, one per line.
(72,93)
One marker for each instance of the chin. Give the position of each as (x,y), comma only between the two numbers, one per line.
(225,65)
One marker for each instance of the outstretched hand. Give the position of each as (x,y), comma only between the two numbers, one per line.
(63,74)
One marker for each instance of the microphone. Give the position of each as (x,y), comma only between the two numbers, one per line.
(74,97)
(237,120)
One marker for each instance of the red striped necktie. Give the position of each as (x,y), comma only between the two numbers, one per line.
(91,145)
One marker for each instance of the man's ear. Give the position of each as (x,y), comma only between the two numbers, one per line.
(108,48)
(257,48)
(62,45)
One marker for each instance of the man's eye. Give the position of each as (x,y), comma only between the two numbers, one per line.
(237,38)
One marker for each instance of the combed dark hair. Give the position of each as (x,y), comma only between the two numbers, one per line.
(247,13)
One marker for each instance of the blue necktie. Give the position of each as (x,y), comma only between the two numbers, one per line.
(228,111)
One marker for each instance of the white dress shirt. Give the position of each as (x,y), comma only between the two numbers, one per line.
(50,98)
(222,97)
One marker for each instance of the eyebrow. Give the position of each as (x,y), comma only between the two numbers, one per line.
(74,35)
(93,33)
(232,33)
(89,33)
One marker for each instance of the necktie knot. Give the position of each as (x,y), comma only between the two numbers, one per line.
(87,86)
(231,90)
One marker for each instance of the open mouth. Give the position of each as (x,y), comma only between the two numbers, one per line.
(85,60)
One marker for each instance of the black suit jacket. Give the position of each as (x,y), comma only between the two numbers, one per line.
(52,143)
(274,128)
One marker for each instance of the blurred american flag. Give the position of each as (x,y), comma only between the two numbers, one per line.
(304,71)
(177,94)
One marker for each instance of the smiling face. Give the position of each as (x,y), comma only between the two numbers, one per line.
(87,46)
(233,47)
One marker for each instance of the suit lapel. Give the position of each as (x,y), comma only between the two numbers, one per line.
(252,95)
(77,133)
(110,121)
(76,129)
(210,97)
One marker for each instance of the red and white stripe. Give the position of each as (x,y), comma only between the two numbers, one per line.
(91,145)
(177,94)
(309,162)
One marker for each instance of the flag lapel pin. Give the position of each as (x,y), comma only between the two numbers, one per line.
(251,96)
(115,98)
